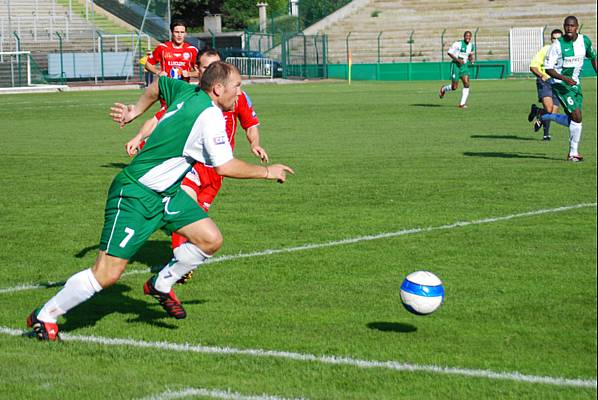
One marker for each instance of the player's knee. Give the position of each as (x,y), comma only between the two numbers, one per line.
(209,242)
(108,270)
(576,116)
(190,254)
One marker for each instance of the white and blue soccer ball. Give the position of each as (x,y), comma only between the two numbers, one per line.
(422,292)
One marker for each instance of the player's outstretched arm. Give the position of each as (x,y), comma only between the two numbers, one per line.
(253,137)
(122,114)
(239,169)
(132,146)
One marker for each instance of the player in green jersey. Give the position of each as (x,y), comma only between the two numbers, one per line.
(461,52)
(146,195)
(564,62)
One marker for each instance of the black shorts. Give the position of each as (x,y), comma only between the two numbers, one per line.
(545,90)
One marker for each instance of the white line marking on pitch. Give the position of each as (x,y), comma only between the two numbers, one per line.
(359,239)
(213,393)
(336,360)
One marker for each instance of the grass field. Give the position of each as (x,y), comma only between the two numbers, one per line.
(307,303)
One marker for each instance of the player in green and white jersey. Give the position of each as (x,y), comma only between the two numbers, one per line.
(147,196)
(564,62)
(461,52)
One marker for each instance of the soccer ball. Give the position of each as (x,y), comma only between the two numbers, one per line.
(422,292)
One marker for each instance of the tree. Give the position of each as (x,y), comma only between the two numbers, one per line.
(193,11)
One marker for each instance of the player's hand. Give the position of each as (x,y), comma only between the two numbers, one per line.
(260,153)
(122,114)
(132,146)
(569,81)
(279,172)
(185,73)
(162,73)
(546,77)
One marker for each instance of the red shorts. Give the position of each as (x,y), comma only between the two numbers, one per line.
(206,183)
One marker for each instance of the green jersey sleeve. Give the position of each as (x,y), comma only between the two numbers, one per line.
(590,52)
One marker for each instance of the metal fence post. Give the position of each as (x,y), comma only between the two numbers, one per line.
(18,47)
(378,62)
(62,75)
(442,53)
(410,41)
(101,50)
(475,43)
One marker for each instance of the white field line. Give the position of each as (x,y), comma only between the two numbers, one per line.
(358,239)
(212,393)
(335,360)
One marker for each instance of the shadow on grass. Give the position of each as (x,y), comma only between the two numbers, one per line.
(508,155)
(507,137)
(114,300)
(152,253)
(426,105)
(392,327)
(116,165)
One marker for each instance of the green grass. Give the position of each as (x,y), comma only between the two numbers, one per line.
(369,158)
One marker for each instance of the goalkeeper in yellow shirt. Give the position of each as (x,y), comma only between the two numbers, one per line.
(548,99)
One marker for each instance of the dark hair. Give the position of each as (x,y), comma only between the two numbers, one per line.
(466,32)
(217,72)
(177,22)
(571,17)
(555,31)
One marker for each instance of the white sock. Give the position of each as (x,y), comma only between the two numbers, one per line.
(187,257)
(574,137)
(464,96)
(447,88)
(79,288)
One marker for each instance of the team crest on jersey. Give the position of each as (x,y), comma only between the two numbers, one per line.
(186,55)
(220,140)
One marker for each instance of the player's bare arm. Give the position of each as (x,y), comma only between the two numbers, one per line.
(123,114)
(132,146)
(553,73)
(239,169)
(455,58)
(153,69)
(253,137)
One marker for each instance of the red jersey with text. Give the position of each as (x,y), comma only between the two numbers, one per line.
(174,60)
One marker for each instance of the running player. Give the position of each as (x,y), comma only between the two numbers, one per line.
(563,63)
(146,195)
(202,181)
(545,95)
(461,52)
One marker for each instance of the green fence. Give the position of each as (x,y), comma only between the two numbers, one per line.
(416,71)
(497,69)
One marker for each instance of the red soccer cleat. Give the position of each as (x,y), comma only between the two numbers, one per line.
(42,330)
(168,301)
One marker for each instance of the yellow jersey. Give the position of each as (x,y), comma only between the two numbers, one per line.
(538,60)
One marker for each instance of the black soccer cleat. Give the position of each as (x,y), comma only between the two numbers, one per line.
(533,113)
(546,138)
(185,278)
(168,301)
(538,124)
(46,331)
